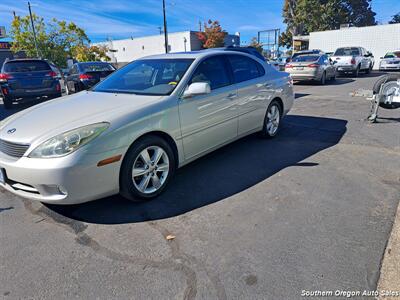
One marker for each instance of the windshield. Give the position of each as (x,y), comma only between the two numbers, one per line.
(305,58)
(392,55)
(347,52)
(26,66)
(95,67)
(146,77)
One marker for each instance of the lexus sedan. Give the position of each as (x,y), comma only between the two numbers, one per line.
(132,131)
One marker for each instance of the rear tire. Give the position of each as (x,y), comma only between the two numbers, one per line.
(272,120)
(7,101)
(323,79)
(156,173)
(356,73)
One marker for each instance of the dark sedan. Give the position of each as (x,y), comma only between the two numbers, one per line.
(22,79)
(84,75)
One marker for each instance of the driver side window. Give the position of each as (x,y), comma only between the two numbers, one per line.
(213,71)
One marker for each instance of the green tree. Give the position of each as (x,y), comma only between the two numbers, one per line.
(305,16)
(395,19)
(255,44)
(56,40)
(213,35)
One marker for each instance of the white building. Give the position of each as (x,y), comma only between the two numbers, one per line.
(378,39)
(123,51)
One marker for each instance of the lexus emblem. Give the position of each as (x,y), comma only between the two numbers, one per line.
(12,130)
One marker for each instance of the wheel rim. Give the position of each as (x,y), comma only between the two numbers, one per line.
(273,119)
(150,169)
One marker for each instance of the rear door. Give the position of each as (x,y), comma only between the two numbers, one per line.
(29,74)
(254,92)
(210,120)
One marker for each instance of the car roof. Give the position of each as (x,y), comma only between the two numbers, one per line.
(92,62)
(27,59)
(196,54)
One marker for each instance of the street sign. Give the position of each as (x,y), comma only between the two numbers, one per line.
(2,31)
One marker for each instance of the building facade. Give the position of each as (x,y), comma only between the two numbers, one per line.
(126,50)
(378,39)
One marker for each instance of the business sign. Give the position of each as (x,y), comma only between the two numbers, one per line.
(5,46)
(2,31)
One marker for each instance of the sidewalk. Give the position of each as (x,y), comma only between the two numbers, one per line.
(390,271)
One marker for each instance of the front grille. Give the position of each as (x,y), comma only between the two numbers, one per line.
(13,149)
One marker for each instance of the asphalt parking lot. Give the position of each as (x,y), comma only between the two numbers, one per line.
(258,219)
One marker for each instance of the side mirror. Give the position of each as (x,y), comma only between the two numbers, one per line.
(197,88)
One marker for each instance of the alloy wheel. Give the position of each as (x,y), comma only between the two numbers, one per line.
(150,169)
(273,119)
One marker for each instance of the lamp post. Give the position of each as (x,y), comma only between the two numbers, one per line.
(165,29)
(33,29)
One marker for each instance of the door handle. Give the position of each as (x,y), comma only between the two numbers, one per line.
(231,96)
(267,85)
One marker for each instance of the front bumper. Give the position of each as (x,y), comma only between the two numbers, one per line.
(391,67)
(346,68)
(72,179)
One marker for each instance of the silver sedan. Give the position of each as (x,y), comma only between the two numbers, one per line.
(134,129)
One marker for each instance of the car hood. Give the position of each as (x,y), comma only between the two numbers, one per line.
(57,116)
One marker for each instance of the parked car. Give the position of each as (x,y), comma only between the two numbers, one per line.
(273,63)
(353,60)
(390,62)
(132,130)
(282,62)
(84,75)
(28,79)
(315,67)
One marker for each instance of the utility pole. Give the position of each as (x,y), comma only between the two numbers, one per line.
(199,25)
(33,29)
(165,29)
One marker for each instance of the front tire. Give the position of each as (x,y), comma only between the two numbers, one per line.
(146,169)
(272,120)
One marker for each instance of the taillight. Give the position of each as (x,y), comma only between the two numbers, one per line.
(288,66)
(4,77)
(85,76)
(58,87)
(313,66)
(5,91)
(353,61)
(52,74)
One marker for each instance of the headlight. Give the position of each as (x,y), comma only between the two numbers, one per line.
(68,142)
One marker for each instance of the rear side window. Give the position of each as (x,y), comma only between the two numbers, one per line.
(26,66)
(347,52)
(245,68)
(212,70)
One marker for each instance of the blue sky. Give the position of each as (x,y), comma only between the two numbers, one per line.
(125,18)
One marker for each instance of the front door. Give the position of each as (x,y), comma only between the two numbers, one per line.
(210,120)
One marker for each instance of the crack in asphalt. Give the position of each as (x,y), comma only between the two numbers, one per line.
(178,261)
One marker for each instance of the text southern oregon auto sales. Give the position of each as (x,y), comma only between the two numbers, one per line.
(349,294)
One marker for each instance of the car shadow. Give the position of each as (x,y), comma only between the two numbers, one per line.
(220,174)
(338,81)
